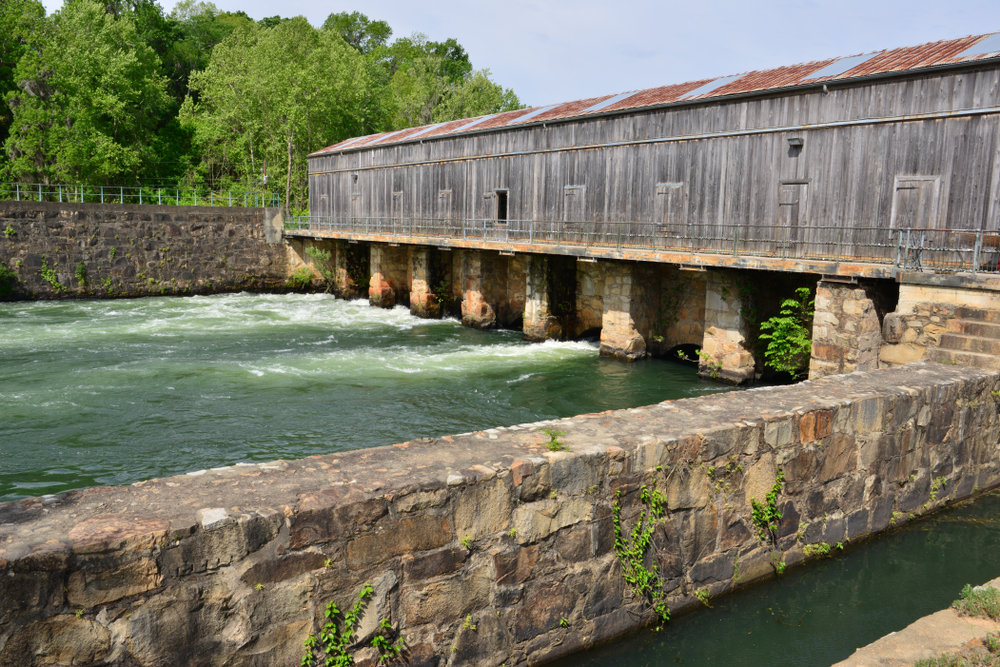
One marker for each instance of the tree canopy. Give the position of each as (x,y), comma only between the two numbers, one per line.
(119,92)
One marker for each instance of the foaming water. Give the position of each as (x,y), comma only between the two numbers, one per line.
(111,392)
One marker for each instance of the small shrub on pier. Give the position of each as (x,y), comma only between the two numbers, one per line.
(789,335)
(979,601)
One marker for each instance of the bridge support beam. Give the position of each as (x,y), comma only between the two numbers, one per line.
(847,335)
(389,268)
(590,279)
(626,313)
(724,347)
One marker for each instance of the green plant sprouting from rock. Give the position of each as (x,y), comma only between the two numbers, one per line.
(442,291)
(81,274)
(300,278)
(789,334)
(555,444)
(981,601)
(334,639)
(10,232)
(646,583)
(49,276)
(766,514)
(818,549)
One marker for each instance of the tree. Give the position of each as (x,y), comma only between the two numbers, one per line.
(789,334)
(272,95)
(200,27)
(88,99)
(18,19)
(359,31)
(475,96)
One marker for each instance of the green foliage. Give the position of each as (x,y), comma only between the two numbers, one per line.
(979,601)
(789,334)
(321,261)
(468,624)
(936,486)
(703,596)
(554,443)
(9,232)
(8,279)
(89,98)
(818,549)
(466,542)
(359,31)
(442,291)
(81,274)
(563,622)
(49,276)
(334,638)
(985,655)
(382,641)
(766,515)
(645,582)
(19,19)
(301,278)
(778,563)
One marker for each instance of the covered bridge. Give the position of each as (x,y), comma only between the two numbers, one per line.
(862,167)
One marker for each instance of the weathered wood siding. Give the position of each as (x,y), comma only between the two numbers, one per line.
(861,165)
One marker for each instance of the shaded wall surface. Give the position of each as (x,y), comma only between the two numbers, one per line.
(132,250)
(234,566)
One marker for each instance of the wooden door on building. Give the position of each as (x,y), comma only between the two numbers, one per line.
(915,202)
(792,200)
(671,229)
(396,212)
(445,214)
(356,205)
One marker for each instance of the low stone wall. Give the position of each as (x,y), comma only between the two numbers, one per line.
(131,250)
(485,548)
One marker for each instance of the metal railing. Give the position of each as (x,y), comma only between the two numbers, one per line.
(916,249)
(114,194)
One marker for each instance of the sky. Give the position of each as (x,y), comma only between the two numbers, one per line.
(552,51)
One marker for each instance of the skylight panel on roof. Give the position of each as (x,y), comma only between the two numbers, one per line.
(608,102)
(840,66)
(350,141)
(712,86)
(475,122)
(989,45)
(383,138)
(425,130)
(537,112)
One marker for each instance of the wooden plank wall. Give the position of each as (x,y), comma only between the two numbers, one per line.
(851,173)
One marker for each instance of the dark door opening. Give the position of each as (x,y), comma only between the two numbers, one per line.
(501,205)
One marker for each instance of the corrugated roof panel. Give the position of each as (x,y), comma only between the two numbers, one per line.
(838,67)
(608,102)
(945,52)
(712,86)
(989,45)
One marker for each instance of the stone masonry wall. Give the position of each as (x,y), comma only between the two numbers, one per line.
(133,251)
(235,566)
(725,354)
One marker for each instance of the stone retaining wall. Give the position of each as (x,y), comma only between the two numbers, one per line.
(130,250)
(485,548)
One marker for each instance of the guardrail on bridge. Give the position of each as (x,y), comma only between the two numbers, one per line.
(969,250)
(106,194)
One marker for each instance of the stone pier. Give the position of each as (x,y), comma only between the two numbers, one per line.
(389,273)
(423,300)
(539,322)
(626,317)
(847,334)
(724,347)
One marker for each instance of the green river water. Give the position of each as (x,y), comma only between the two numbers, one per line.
(111,392)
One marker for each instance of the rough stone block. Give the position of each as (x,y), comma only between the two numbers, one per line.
(778,433)
(537,520)
(418,533)
(434,563)
(483,509)
(443,602)
(89,588)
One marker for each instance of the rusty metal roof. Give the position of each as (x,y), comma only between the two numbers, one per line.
(905,59)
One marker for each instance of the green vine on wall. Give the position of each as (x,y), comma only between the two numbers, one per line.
(321,261)
(646,583)
(765,514)
(49,276)
(333,640)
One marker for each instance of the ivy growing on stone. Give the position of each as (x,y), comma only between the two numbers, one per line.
(331,644)
(765,514)
(646,583)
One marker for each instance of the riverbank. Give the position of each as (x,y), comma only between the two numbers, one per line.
(489,547)
(944,632)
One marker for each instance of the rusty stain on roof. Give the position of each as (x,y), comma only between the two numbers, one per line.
(909,58)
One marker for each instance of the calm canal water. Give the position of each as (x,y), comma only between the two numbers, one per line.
(821,613)
(111,392)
